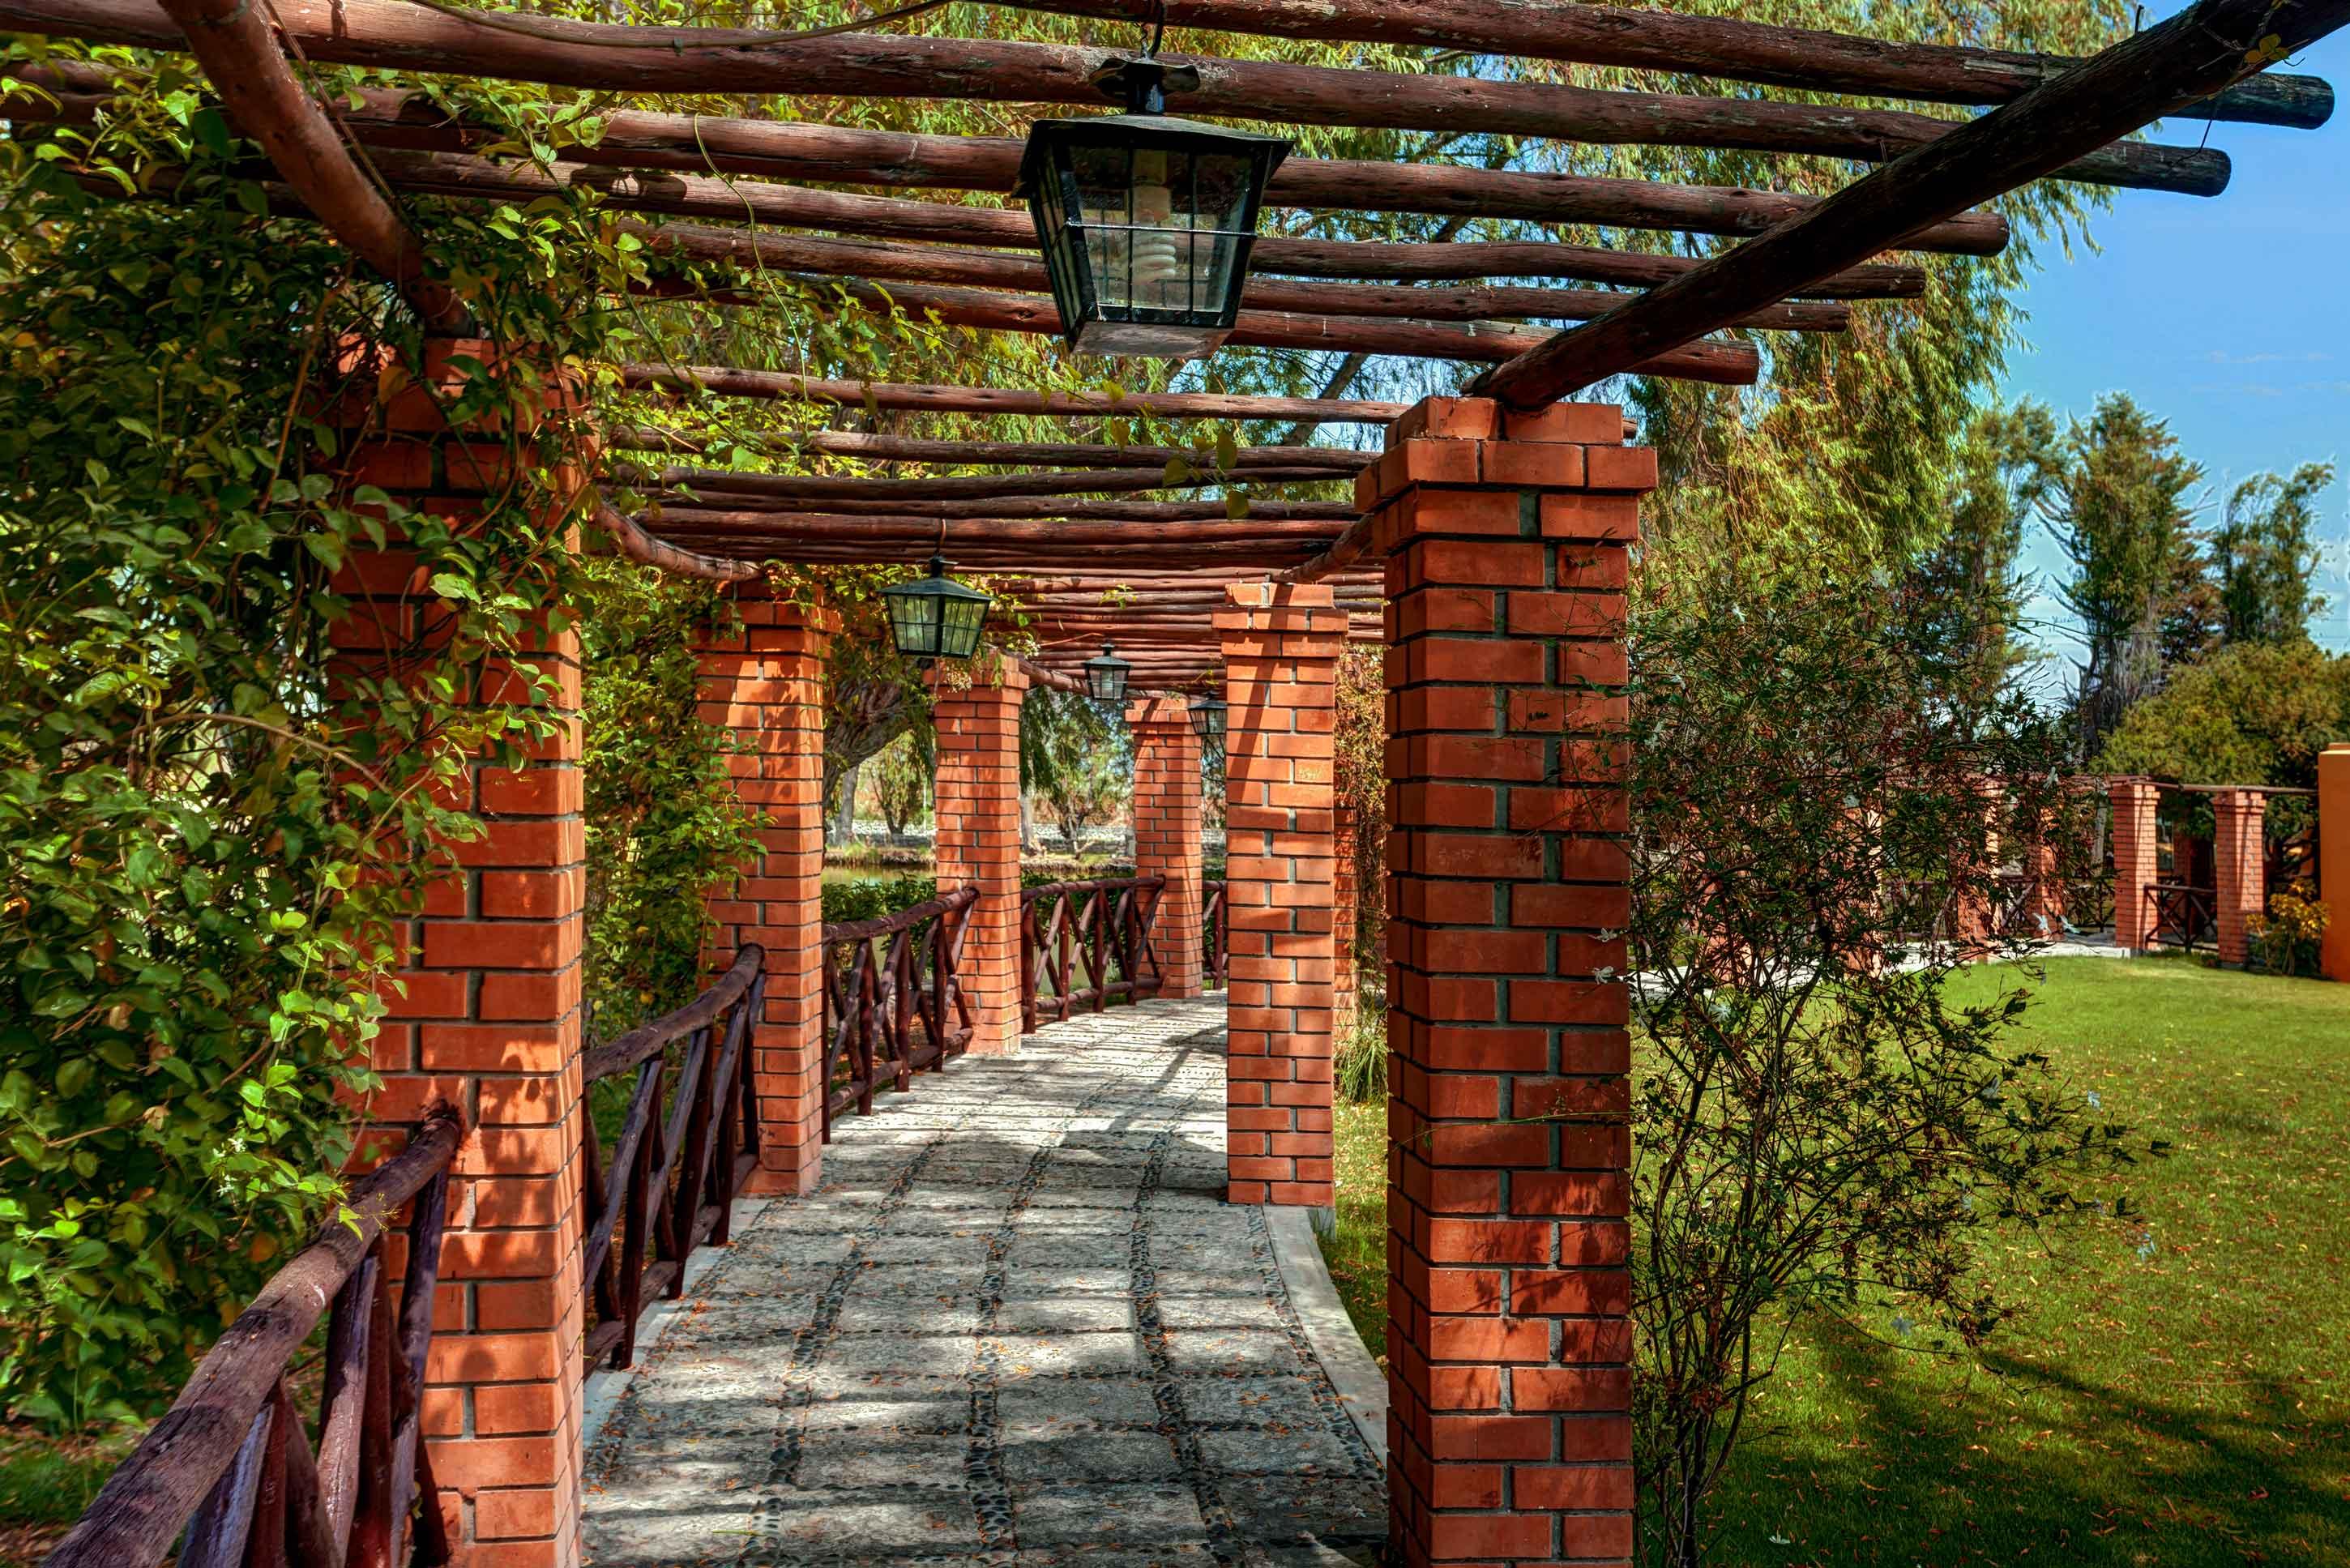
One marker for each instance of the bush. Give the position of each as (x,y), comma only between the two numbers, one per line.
(2286,938)
(1361,1069)
(873,898)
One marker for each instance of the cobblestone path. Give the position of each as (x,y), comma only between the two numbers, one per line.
(1018,1325)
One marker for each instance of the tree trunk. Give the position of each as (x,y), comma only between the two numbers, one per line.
(844,821)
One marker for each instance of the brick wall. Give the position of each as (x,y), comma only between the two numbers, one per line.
(486,1015)
(1281,649)
(2240,854)
(1509,1342)
(2334,857)
(763,679)
(2136,855)
(977,796)
(1166,834)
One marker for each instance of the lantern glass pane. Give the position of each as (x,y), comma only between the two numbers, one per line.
(914,624)
(959,634)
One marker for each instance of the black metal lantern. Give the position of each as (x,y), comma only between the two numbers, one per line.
(936,616)
(1106,676)
(1208,720)
(1146,220)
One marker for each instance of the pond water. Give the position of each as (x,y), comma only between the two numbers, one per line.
(837,873)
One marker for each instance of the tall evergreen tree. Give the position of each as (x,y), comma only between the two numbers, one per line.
(2263,557)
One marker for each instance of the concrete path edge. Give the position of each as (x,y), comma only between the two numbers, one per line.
(1346,1360)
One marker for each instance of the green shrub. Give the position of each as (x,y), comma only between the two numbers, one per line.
(2286,937)
(1361,1069)
(873,898)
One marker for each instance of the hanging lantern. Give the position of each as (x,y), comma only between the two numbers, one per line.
(1146,220)
(935,617)
(1106,676)
(1208,720)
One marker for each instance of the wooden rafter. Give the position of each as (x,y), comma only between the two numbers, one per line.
(1340,462)
(2184,60)
(897,396)
(608,56)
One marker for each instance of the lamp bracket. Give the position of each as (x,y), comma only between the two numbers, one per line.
(1142,82)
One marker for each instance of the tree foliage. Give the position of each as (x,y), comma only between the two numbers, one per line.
(1075,759)
(2253,713)
(2263,556)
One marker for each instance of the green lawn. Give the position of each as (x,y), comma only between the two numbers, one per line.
(45,1484)
(2190,1406)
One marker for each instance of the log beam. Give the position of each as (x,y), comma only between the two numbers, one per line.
(1341,462)
(608,56)
(2198,53)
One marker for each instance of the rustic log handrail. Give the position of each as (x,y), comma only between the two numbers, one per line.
(2181,916)
(893,999)
(1216,932)
(230,1462)
(670,1183)
(1098,932)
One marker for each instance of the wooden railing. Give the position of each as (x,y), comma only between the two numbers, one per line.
(1215,934)
(231,1461)
(2181,916)
(892,1004)
(670,1183)
(1086,945)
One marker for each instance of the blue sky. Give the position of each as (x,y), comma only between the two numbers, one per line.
(2229,316)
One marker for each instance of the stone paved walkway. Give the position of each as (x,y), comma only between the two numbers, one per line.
(1018,1325)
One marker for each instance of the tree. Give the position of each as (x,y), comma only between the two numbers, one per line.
(2253,713)
(1074,759)
(1965,586)
(2264,558)
(1818,1129)
(905,766)
(2113,492)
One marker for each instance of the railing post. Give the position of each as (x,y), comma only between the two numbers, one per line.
(1506,539)
(977,796)
(1166,834)
(2239,845)
(764,680)
(2334,857)
(2134,861)
(1281,646)
(486,1015)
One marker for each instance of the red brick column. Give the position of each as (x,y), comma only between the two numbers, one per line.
(976,709)
(2239,847)
(764,680)
(487,1014)
(1281,651)
(1345,894)
(2334,857)
(1509,1342)
(2135,859)
(1166,834)
(2044,907)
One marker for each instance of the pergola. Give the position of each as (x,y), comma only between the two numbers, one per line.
(1485,547)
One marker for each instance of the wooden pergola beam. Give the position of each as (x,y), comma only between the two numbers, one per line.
(798,150)
(797,487)
(724,381)
(246,68)
(2197,53)
(953,536)
(1805,58)
(1340,462)
(890,261)
(1329,513)
(609,56)
(1727,364)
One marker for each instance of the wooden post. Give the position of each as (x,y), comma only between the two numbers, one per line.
(764,680)
(1506,538)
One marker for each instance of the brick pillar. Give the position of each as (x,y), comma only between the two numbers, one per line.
(1346,911)
(1281,646)
(763,679)
(1166,834)
(2239,850)
(487,1014)
(2043,905)
(2334,857)
(2135,859)
(1972,911)
(1509,1342)
(977,802)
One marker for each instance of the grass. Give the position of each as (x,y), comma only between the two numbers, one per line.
(45,1484)
(2183,1407)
